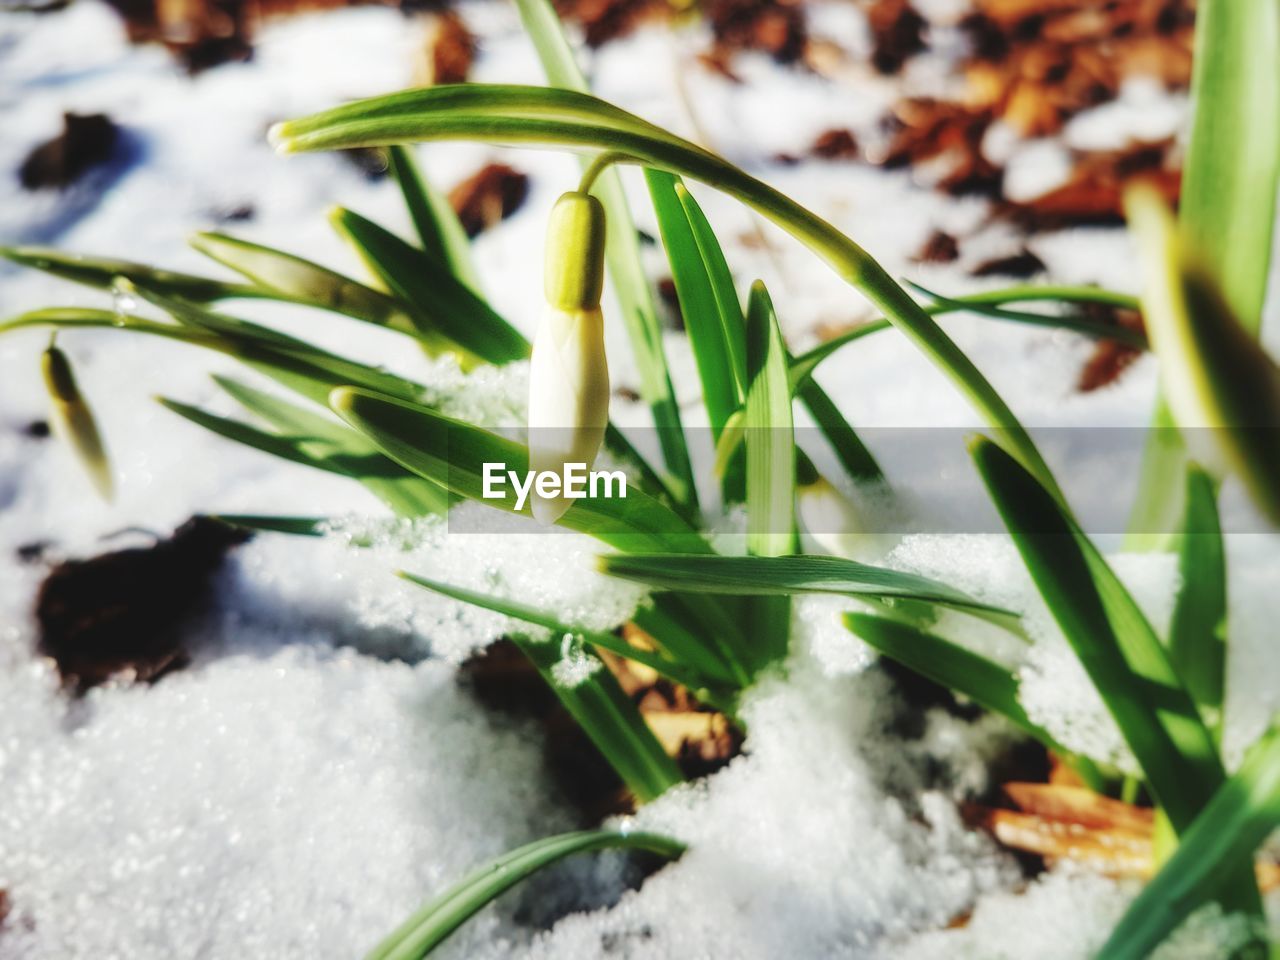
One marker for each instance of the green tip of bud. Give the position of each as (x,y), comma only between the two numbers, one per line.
(75,422)
(574,275)
(58,377)
(278,137)
(342,400)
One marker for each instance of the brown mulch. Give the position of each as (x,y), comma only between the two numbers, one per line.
(1023,265)
(700,739)
(1110,358)
(897,34)
(488,197)
(940,247)
(835,144)
(120,613)
(86,141)
(450,49)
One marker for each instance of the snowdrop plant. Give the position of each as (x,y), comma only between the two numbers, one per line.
(718,620)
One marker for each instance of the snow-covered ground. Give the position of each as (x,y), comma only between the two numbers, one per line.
(317,771)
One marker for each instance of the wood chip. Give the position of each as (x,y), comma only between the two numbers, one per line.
(776,27)
(120,612)
(449,51)
(897,34)
(86,141)
(835,144)
(1023,264)
(488,197)
(939,248)
(1068,822)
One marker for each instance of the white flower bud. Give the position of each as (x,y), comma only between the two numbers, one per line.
(568,372)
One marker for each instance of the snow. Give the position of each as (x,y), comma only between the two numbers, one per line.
(763,880)
(318,771)
(268,803)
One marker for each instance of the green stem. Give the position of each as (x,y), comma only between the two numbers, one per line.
(598,166)
(515,115)
(803,365)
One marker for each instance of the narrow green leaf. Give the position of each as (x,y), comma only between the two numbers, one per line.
(295,363)
(523,611)
(1242,814)
(857,460)
(1227,205)
(1222,388)
(598,703)
(985,682)
(295,526)
(1113,639)
(1158,504)
(443,306)
(102,272)
(404,492)
(803,366)
(769,437)
(1077,324)
(1197,632)
(289,417)
(438,227)
(1233,159)
(454,454)
(284,276)
(783,576)
(348,455)
(712,315)
(295,449)
(441,916)
(673,623)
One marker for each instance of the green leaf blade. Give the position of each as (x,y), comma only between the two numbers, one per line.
(444,306)
(437,225)
(453,454)
(1197,631)
(1112,638)
(440,917)
(782,576)
(1241,815)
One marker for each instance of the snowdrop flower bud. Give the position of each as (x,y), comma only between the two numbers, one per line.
(833,521)
(568,374)
(73,420)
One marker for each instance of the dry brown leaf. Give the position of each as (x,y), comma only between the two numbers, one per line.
(86,141)
(897,33)
(449,51)
(488,197)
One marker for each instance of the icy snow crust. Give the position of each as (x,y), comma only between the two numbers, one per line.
(317,771)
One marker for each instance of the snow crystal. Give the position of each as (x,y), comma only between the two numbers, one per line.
(818,628)
(1054,688)
(796,849)
(575,665)
(1067,915)
(497,562)
(295,804)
